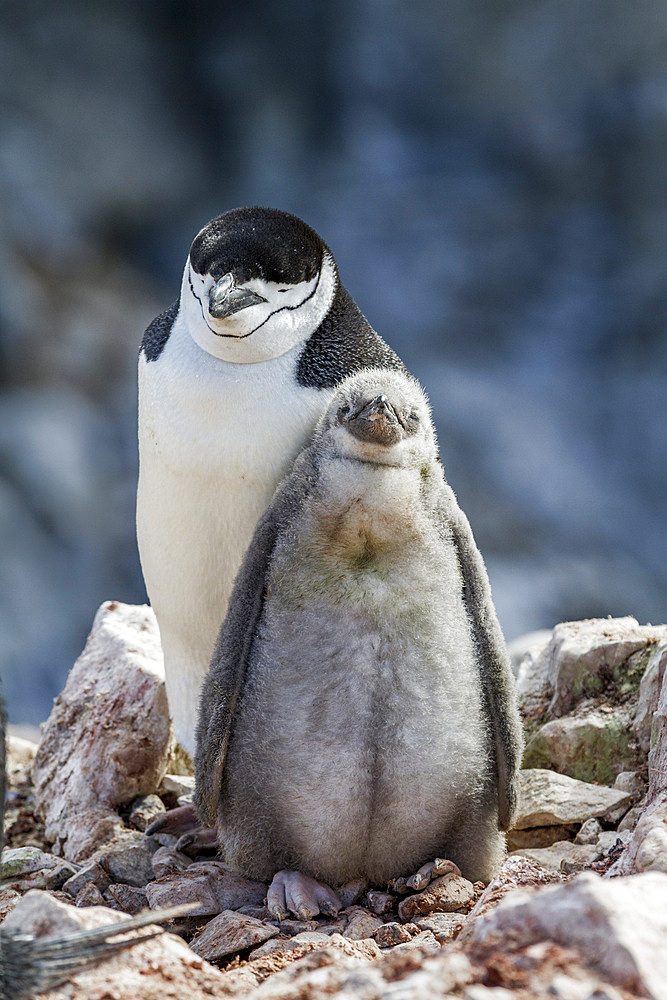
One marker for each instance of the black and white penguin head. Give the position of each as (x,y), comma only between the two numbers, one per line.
(257,282)
(380,416)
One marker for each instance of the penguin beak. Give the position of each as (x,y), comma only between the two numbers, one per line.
(225,298)
(378,409)
(377,423)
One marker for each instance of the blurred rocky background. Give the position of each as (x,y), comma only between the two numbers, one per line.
(492,180)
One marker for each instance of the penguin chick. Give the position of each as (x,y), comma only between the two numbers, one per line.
(359,716)
(232,380)
(30,965)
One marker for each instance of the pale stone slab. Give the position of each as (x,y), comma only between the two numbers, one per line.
(552,857)
(547,798)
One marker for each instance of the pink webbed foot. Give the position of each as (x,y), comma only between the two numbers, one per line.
(305,897)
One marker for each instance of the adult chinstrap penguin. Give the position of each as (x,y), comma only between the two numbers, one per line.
(359,716)
(232,380)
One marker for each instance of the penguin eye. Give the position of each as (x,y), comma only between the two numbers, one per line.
(344,410)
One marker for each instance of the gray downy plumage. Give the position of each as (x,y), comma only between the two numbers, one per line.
(359,715)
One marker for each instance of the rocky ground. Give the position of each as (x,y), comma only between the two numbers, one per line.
(578,910)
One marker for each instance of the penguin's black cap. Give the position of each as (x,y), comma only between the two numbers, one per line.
(258,243)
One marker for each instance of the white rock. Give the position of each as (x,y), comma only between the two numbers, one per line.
(578,650)
(552,857)
(617,926)
(649,695)
(657,760)
(589,832)
(108,737)
(651,827)
(530,644)
(550,799)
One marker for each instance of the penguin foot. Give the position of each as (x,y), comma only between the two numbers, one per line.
(183,822)
(423,875)
(305,897)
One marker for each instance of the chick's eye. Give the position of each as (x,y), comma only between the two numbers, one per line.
(344,410)
(414,417)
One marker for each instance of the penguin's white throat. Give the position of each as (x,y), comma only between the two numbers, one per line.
(286,315)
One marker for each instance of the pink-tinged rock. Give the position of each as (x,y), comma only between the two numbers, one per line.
(229,933)
(391,934)
(108,737)
(361,924)
(443,895)
(162,968)
(617,926)
(517,872)
(212,884)
(444,926)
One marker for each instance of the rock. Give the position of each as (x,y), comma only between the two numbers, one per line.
(167,861)
(609,839)
(128,897)
(29,868)
(162,968)
(20,754)
(517,872)
(107,739)
(424,941)
(539,836)
(445,926)
(144,809)
(129,858)
(646,847)
(532,682)
(211,883)
(632,783)
(8,900)
(178,785)
(586,656)
(351,892)
(380,902)
(292,927)
(314,940)
(657,758)
(229,933)
(391,934)
(553,858)
(361,924)
(23,860)
(589,832)
(632,816)
(547,798)
(594,745)
(617,926)
(90,895)
(649,695)
(444,894)
(530,644)
(92,872)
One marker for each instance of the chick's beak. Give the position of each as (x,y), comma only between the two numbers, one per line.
(378,409)
(225,298)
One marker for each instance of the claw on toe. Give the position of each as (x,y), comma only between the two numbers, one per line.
(305,897)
